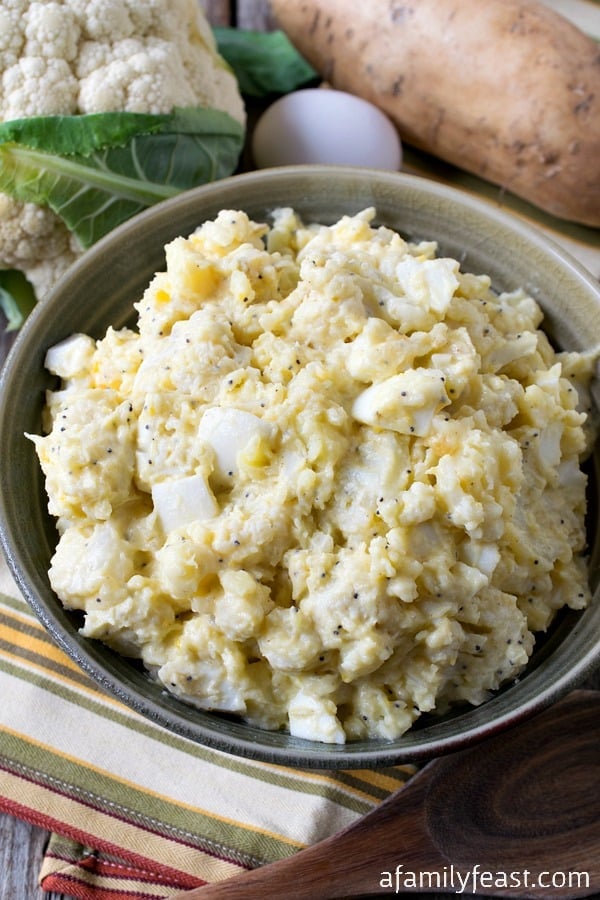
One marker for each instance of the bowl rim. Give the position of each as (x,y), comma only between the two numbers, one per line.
(538,693)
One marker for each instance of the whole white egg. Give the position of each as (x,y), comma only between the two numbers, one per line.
(323,125)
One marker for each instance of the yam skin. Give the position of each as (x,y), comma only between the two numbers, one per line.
(508,90)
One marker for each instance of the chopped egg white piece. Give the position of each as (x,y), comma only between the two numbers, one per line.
(310,716)
(70,356)
(229,431)
(406,402)
(179,502)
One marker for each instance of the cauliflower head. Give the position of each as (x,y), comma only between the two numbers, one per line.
(70,57)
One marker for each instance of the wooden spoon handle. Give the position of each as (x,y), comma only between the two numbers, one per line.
(347,864)
(525,800)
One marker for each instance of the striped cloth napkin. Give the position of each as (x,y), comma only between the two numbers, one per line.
(136,811)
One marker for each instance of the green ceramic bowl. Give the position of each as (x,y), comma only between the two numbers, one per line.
(99,290)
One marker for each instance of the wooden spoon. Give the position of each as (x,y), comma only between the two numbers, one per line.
(517,815)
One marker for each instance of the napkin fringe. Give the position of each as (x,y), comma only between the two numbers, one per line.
(79,871)
(73,867)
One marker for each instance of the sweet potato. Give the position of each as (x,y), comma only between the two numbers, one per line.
(506,89)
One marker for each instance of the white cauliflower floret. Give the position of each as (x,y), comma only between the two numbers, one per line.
(22,94)
(103,580)
(73,57)
(51,31)
(45,274)
(34,240)
(11,38)
(25,229)
(106,20)
(137,76)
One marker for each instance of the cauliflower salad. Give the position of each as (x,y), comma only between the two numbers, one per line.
(328,483)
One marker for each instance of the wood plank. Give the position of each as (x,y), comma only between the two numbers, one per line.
(21,854)
(218,12)
(254,14)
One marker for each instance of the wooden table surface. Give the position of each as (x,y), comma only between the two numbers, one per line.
(21,845)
